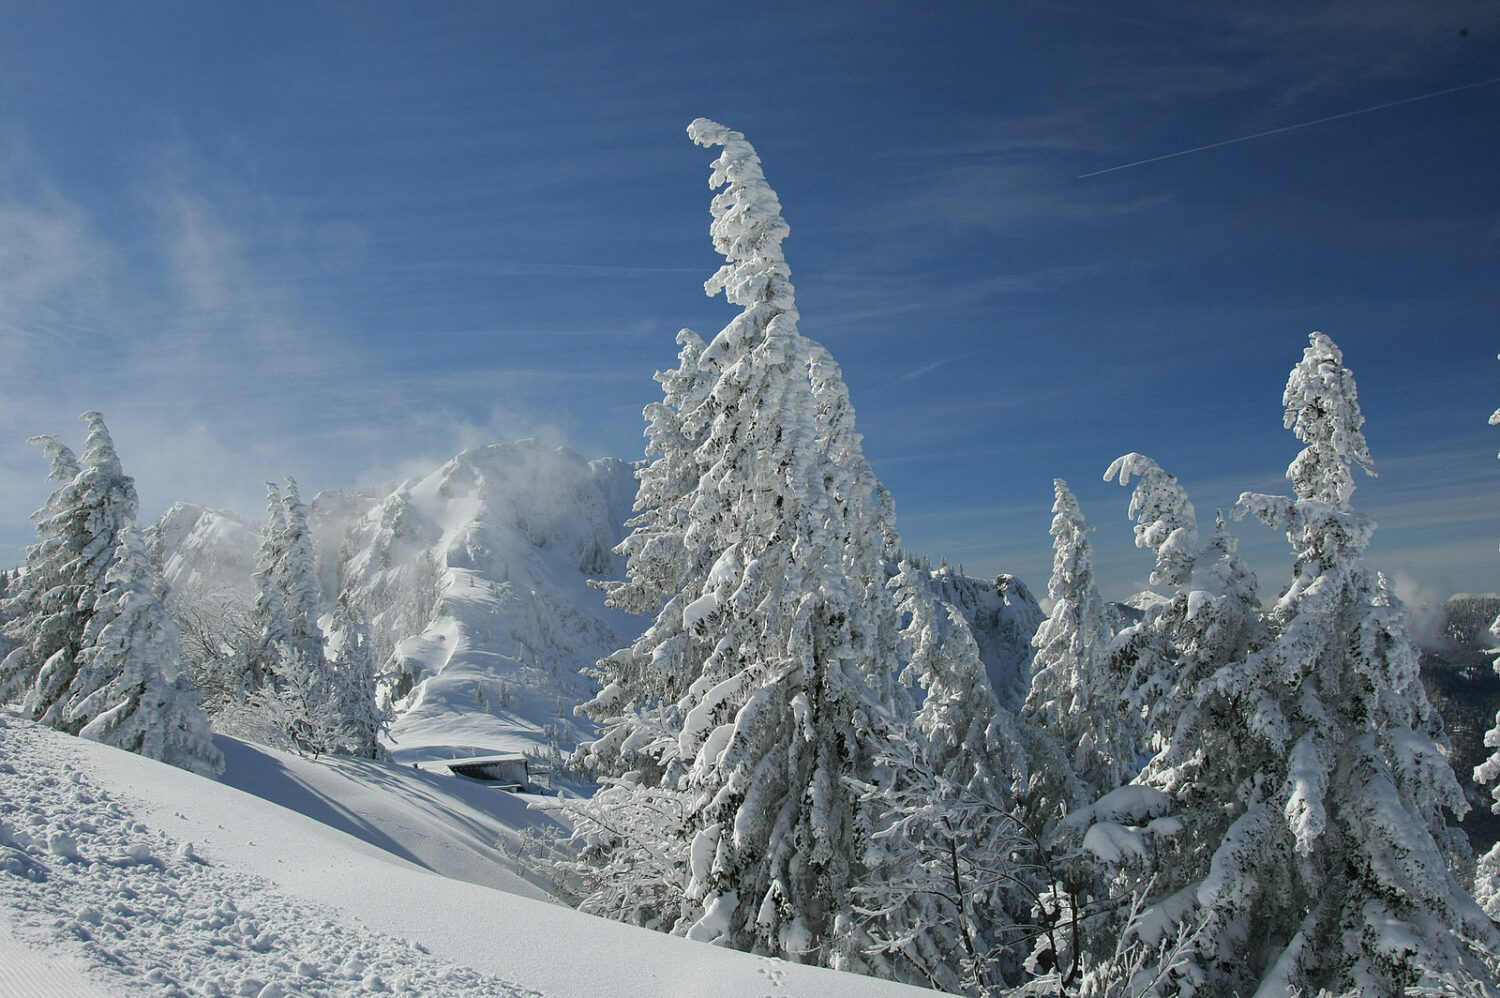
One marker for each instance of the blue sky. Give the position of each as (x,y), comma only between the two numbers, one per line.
(344,240)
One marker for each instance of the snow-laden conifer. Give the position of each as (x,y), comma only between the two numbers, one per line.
(952,871)
(1190,633)
(1310,776)
(298,573)
(766,577)
(95,644)
(629,846)
(1145,652)
(1076,696)
(1153,859)
(359,721)
(274,631)
(128,691)
(79,529)
(864,528)
(1192,636)
(636,708)
(1165,519)
(42,612)
(781,714)
(294,683)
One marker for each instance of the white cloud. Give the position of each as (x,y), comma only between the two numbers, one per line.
(196,316)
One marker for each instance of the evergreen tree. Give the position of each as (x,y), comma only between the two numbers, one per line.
(1182,640)
(1146,651)
(42,613)
(79,530)
(298,582)
(359,721)
(1165,519)
(769,644)
(94,642)
(274,630)
(295,684)
(121,695)
(1176,645)
(1309,777)
(864,528)
(636,708)
(1191,638)
(1076,695)
(952,873)
(629,845)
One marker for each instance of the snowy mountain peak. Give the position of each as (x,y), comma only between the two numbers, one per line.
(475,581)
(202,550)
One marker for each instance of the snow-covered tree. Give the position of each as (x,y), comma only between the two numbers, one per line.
(294,681)
(766,571)
(1076,695)
(274,631)
(219,640)
(96,652)
(298,581)
(952,869)
(1189,634)
(1309,777)
(35,633)
(863,527)
(627,856)
(79,530)
(1165,520)
(127,691)
(636,708)
(1146,652)
(359,720)
(1177,643)
(1187,639)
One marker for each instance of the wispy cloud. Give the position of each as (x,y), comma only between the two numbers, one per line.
(218,364)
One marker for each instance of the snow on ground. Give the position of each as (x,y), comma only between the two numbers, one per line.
(120,876)
(453,826)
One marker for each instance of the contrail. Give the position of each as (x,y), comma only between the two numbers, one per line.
(1292,128)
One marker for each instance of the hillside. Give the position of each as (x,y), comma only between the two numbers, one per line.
(475,578)
(120,876)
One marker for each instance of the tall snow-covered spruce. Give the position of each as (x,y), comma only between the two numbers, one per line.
(97,653)
(358,719)
(296,686)
(754,699)
(122,691)
(1314,852)
(1075,695)
(47,609)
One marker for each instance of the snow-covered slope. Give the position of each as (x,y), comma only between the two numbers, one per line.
(475,578)
(516,531)
(121,876)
